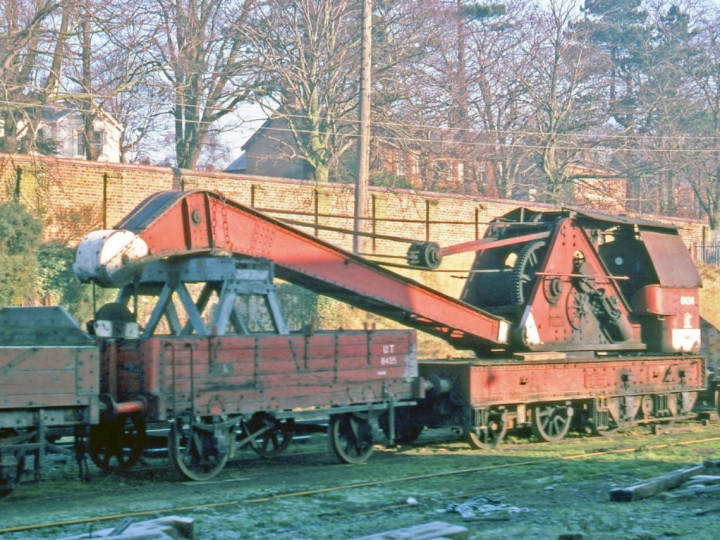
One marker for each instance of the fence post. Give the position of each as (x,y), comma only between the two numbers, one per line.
(374,217)
(427,220)
(316,211)
(18,180)
(105,200)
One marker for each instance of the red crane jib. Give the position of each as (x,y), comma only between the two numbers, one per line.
(172,224)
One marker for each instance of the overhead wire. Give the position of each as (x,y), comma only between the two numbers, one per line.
(454,135)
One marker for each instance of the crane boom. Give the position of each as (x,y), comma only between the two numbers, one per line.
(177,224)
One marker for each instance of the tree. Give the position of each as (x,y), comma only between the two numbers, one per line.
(87,106)
(27,38)
(705,167)
(308,50)
(620,29)
(415,103)
(202,63)
(499,112)
(467,15)
(19,237)
(57,284)
(668,105)
(560,88)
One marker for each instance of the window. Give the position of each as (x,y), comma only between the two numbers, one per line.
(450,176)
(482,171)
(415,165)
(97,138)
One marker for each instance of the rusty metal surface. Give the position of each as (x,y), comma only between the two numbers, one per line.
(624,220)
(671,259)
(568,322)
(47,376)
(246,374)
(485,384)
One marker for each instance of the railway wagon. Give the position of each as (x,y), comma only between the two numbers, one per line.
(554,395)
(574,318)
(205,362)
(49,386)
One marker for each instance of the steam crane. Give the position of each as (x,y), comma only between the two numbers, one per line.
(575,318)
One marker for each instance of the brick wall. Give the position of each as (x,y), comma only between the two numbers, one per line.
(77,196)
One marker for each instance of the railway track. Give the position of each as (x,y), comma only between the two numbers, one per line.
(291,481)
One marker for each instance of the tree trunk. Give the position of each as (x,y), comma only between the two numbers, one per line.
(88,113)
(320,173)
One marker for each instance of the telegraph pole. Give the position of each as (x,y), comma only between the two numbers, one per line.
(363,174)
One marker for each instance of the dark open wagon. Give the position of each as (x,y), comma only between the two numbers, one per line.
(49,385)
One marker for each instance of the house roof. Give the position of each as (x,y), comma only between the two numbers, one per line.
(258,132)
(239,165)
(55,111)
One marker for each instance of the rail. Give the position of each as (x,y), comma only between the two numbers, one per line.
(708,253)
(445,232)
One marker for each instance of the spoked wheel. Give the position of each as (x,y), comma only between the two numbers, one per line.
(274,436)
(491,431)
(551,422)
(528,262)
(350,437)
(10,475)
(117,444)
(198,451)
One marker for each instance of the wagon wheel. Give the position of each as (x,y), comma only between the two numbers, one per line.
(276,435)
(551,422)
(523,274)
(9,481)
(350,438)
(117,445)
(198,451)
(488,435)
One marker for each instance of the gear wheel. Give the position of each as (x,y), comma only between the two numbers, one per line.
(528,262)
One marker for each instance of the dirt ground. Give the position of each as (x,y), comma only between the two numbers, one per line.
(520,490)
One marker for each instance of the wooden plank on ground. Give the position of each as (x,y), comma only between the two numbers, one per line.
(655,485)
